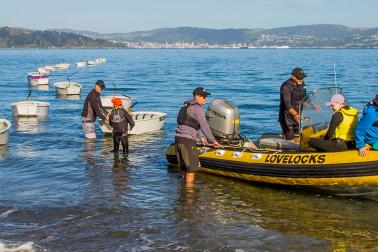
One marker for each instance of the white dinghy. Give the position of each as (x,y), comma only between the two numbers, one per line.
(4,131)
(37,78)
(50,68)
(30,108)
(127,101)
(81,64)
(43,70)
(67,88)
(91,63)
(145,122)
(62,66)
(100,61)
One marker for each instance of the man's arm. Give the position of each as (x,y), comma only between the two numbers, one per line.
(367,120)
(129,119)
(97,107)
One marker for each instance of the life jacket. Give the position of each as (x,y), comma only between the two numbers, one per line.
(118,120)
(184,118)
(346,128)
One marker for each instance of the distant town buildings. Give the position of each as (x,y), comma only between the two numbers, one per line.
(270,41)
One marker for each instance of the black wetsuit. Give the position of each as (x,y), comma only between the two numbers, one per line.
(290,96)
(120,120)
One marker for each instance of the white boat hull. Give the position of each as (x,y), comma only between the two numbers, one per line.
(127,102)
(30,108)
(36,82)
(37,78)
(100,61)
(4,131)
(43,70)
(67,88)
(62,66)
(81,64)
(50,68)
(91,63)
(145,122)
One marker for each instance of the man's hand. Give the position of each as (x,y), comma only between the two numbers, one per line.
(362,151)
(216,145)
(107,117)
(297,118)
(203,140)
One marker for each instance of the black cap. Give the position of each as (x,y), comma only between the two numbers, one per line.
(100,83)
(200,91)
(298,73)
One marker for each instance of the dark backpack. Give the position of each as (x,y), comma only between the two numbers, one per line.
(118,120)
(184,118)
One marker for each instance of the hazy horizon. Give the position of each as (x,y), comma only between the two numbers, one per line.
(119,16)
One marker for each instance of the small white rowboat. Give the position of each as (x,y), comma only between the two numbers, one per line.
(30,108)
(67,88)
(4,131)
(145,122)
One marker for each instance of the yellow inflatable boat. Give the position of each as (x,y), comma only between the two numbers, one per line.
(277,161)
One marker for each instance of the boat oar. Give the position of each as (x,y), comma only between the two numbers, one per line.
(29,95)
(133,101)
(115,89)
(68,78)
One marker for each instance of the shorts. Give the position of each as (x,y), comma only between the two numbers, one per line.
(187,154)
(89,130)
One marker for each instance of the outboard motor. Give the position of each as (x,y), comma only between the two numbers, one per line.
(224,120)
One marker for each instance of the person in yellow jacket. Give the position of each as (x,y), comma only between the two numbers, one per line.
(340,134)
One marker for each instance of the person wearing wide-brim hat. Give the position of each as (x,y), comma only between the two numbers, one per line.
(93,108)
(367,128)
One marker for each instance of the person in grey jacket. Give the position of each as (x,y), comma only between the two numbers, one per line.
(192,125)
(93,108)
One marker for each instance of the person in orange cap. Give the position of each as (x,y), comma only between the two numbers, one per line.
(119,120)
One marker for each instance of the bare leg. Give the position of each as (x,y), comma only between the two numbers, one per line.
(189,177)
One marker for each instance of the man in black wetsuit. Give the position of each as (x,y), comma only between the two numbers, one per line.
(291,93)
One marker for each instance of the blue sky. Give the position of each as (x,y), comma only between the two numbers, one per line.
(125,16)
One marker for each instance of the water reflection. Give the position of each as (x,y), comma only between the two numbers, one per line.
(106,170)
(40,87)
(120,175)
(343,222)
(30,124)
(68,97)
(3,151)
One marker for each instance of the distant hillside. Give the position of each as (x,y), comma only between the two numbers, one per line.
(301,36)
(23,38)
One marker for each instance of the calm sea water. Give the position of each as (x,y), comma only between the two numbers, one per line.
(61,193)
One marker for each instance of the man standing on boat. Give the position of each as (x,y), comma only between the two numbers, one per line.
(291,93)
(192,125)
(93,108)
